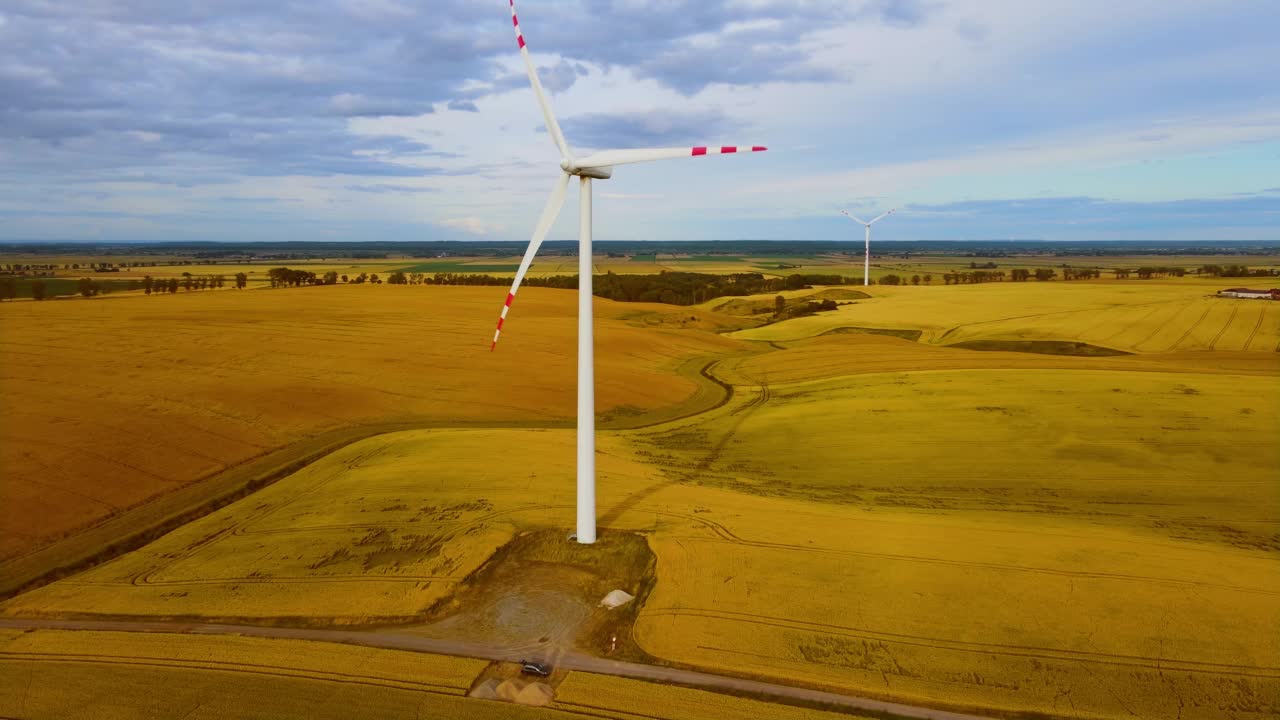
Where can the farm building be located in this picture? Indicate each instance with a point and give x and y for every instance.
(1273, 294)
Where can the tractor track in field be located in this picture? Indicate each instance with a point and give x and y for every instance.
(1262, 312)
(741, 414)
(712, 456)
(1191, 329)
(771, 692)
(1225, 326)
(961, 326)
(1160, 326)
(1107, 340)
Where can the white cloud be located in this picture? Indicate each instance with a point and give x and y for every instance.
(1061, 151)
(473, 225)
(630, 196)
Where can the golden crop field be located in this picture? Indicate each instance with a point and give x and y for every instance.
(375, 532)
(112, 401)
(1096, 571)
(107, 675)
(837, 354)
(1035, 540)
(1090, 537)
(1131, 316)
(59, 675)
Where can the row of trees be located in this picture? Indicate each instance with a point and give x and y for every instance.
(1147, 272)
(190, 282)
(781, 311)
(1236, 271)
(976, 276)
(674, 288)
(284, 277)
(1070, 273)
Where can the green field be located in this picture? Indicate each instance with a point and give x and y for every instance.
(463, 267)
(701, 258)
(56, 286)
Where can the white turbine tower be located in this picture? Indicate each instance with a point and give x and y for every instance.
(598, 166)
(866, 260)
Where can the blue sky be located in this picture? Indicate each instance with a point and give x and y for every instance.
(397, 120)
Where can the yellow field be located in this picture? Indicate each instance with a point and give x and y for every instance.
(376, 532)
(839, 354)
(106, 675)
(1090, 537)
(111, 401)
(1132, 316)
(1103, 562)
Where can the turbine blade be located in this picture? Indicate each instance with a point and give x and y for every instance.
(883, 216)
(549, 214)
(549, 117)
(854, 218)
(607, 158)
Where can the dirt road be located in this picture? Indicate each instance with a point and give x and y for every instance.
(569, 661)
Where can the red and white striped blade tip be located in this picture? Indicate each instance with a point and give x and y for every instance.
(502, 319)
(727, 150)
(516, 22)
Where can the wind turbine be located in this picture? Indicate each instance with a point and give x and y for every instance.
(866, 260)
(598, 166)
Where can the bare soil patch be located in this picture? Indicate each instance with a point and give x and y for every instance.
(541, 593)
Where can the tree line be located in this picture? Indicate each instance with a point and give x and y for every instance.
(670, 287)
(809, 307)
(191, 282)
(1237, 271)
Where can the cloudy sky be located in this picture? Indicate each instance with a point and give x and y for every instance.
(404, 120)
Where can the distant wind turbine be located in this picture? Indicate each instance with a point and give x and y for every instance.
(597, 166)
(866, 261)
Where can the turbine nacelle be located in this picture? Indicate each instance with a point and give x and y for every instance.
(596, 173)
